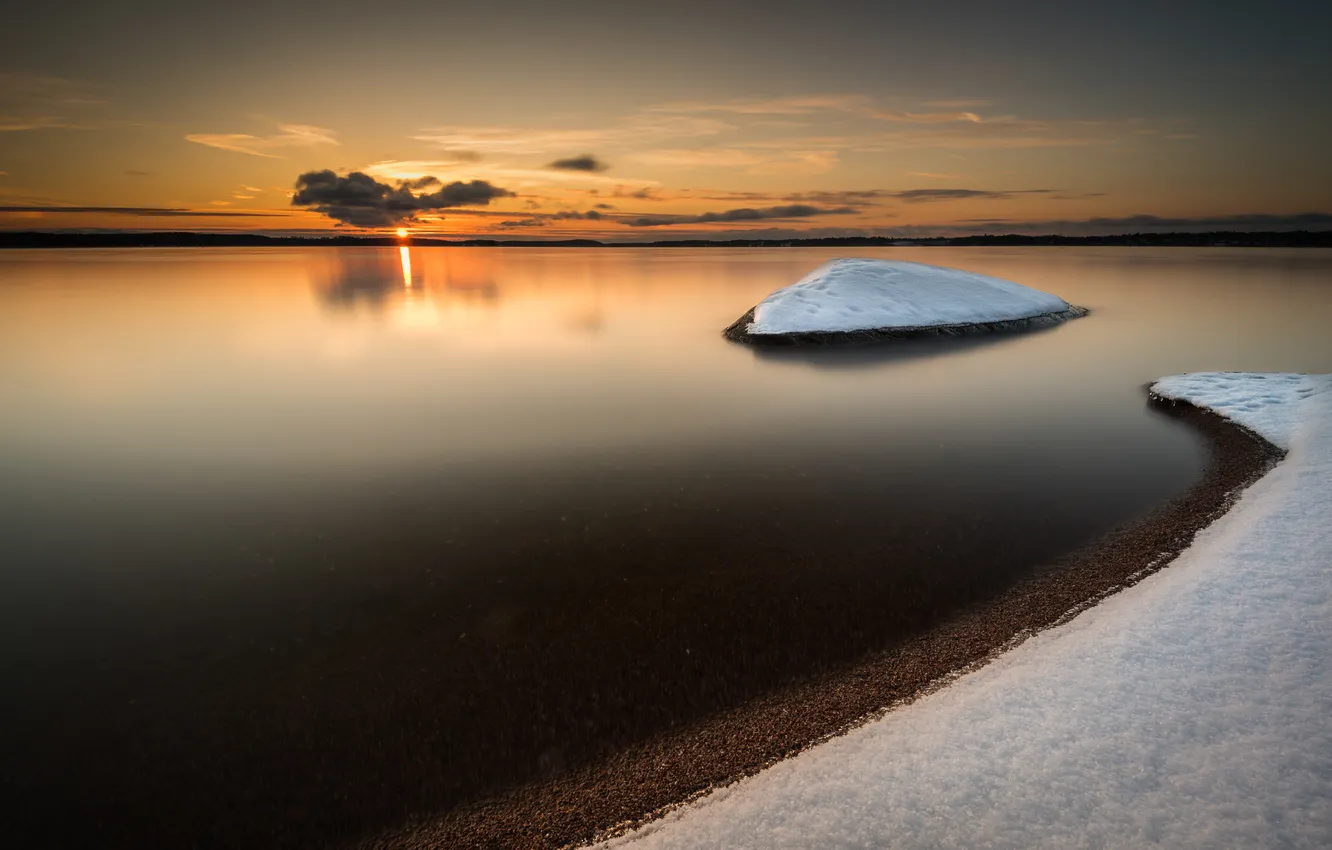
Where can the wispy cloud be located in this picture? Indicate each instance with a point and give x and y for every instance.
(574, 215)
(510, 140)
(1128, 224)
(1008, 134)
(794, 105)
(31, 101)
(530, 140)
(848, 197)
(934, 175)
(11, 123)
(791, 211)
(879, 126)
(47, 88)
(854, 104)
(542, 219)
(958, 103)
(751, 161)
(289, 136)
(921, 196)
(949, 117)
(758, 233)
(516, 177)
(164, 212)
(857, 197)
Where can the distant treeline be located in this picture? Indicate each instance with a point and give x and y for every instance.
(1287, 239)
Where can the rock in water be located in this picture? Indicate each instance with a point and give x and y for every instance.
(865, 299)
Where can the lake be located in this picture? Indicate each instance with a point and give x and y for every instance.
(302, 544)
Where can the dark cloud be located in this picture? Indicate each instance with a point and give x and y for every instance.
(542, 220)
(752, 197)
(858, 197)
(647, 193)
(1125, 224)
(742, 214)
(1259, 221)
(167, 212)
(421, 183)
(586, 162)
(920, 196)
(873, 197)
(590, 215)
(775, 233)
(604, 206)
(360, 200)
(134, 172)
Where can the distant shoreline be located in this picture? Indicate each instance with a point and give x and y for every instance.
(172, 239)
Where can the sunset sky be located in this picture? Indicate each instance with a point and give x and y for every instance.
(633, 121)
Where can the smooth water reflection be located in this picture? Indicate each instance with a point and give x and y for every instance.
(431, 520)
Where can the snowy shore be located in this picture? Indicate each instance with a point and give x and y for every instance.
(1187, 711)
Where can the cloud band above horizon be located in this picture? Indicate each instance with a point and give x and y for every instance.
(360, 200)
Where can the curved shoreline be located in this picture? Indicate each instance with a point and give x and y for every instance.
(649, 779)
(738, 331)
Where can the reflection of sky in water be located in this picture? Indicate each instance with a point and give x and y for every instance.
(319, 466)
(374, 276)
(223, 358)
(144, 372)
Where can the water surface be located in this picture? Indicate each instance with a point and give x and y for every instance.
(297, 544)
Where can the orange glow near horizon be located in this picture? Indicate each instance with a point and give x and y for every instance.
(402, 233)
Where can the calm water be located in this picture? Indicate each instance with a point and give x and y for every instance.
(296, 544)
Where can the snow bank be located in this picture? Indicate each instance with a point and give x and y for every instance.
(851, 295)
(1266, 404)
(1191, 710)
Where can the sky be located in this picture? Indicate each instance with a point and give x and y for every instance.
(650, 121)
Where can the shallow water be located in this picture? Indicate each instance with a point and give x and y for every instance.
(335, 537)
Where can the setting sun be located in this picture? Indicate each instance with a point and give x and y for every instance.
(402, 233)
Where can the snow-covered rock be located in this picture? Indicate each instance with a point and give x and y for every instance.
(1189, 711)
(896, 298)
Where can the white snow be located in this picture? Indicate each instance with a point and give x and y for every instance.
(1193, 710)
(858, 294)
(1261, 402)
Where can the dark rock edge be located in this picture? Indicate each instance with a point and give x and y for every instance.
(651, 779)
(738, 330)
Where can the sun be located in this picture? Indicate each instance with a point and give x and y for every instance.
(402, 233)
